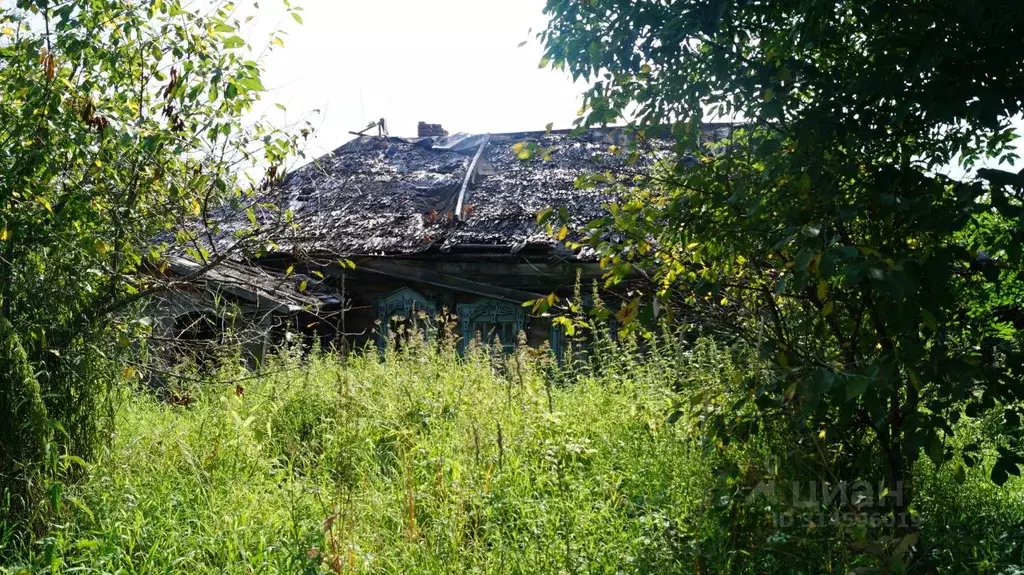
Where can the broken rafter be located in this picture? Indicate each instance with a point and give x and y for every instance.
(381, 125)
(265, 289)
(469, 177)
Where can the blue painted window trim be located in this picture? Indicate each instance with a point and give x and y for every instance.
(491, 311)
(558, 340)
(403, 302)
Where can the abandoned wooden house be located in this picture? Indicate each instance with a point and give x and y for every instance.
(430, 223)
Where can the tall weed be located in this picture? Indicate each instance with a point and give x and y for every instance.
(419, 460)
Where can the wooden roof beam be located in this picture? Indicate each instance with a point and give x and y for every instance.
(443, 280)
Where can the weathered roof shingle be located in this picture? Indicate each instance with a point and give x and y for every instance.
(392, 196)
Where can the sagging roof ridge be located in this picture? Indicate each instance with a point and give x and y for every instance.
(658, 131)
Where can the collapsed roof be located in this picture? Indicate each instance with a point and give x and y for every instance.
(261, 288)
(395, 196)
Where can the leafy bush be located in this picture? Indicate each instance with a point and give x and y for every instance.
(121, 122)
(823, 224)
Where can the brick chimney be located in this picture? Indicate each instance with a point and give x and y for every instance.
(425, 130)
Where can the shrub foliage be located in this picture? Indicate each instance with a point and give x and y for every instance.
(827, 230)
(119, 121)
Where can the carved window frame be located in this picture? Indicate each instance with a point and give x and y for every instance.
(402, 302)
(492, 311)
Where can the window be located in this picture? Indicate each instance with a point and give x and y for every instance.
(196, 335)
(201, 326)
(402, 311)
(491, 320)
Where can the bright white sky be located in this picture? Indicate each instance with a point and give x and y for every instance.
(450, 62)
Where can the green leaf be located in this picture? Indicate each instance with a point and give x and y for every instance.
(803, 184)
(855, 387)
(960, 475)
(847, 252)
(934, 449)
(251, 83)
(544, 215)
(908, 541)
(824, 380)
(523, 150)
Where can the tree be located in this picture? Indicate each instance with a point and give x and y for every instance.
(824, 230)
(119, 121)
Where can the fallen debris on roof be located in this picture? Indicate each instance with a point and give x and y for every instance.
(394, 196)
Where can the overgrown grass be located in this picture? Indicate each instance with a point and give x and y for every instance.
(428, 463)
